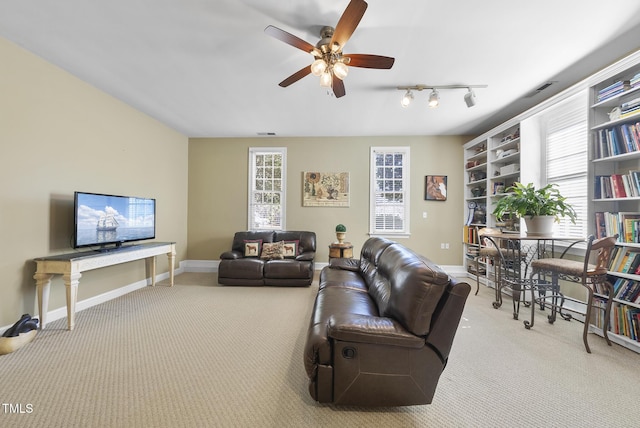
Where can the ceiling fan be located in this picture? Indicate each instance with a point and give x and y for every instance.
(330, 64)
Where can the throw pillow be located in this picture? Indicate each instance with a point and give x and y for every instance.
(272, 250)
(291, 249)
(252, 247)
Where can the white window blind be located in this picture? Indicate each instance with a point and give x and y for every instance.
(389, 184)
(267, 188)
(566, 137)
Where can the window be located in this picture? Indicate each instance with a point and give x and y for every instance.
(389, 184)
(566, 159)
(267, 188)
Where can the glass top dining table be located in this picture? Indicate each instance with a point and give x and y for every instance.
(516, 252)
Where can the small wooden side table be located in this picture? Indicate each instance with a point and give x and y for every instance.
(340, 250)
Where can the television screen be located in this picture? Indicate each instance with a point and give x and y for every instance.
(101, 220)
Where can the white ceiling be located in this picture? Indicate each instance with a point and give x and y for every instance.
(206, 68)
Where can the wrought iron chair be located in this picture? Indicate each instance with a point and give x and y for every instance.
(488, 251)
(512, 267)
(547, 272)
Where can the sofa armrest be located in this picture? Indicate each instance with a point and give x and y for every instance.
(345, 264)
(307, 256)
(447, 317)
(231, 255)
(370, 329)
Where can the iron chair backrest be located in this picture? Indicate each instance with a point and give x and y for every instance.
(602, 248)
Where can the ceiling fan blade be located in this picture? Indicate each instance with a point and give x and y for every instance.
(338, 87)
(289, 38)
(370, 61)
(348, 22)
(295, 76)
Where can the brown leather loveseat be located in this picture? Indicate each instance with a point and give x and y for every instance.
(382, 328)
(269, 258)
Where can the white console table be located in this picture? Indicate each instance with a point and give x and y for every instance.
(71, 266)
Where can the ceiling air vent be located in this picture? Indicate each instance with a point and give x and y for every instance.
(540, 89)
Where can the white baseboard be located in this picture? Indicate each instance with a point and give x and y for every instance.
(56, 314)
(200, 265)
(455, 271)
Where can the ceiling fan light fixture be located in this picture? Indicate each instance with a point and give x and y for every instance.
(470, 98)
(326, 80)
(434, 99)
(318, 67)
(340, 70)
(407, 98)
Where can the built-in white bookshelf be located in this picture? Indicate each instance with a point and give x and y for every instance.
(614, 122)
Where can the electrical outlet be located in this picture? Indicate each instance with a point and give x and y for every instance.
(446, 246)
(442, 245)
(424, 214)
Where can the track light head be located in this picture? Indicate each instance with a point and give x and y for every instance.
(434, 99)
(407, 98)
(470, 98)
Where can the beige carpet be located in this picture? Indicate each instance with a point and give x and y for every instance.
(203, 355)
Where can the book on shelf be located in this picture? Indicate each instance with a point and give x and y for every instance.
(625, 321)
(611, 90)
(633, 267)
(617, 140)
(617, 185)
(626, 290)
(625, 224)
(470, 235)
(601, 231)
(630, 105)
(618, 87)
(629, 112)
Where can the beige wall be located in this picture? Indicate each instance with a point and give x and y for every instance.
(59, 134)
(218, 191)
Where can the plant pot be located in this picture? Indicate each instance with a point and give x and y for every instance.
(341, 236)
(539, 225)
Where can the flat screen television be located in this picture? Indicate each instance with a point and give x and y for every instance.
(108, 221)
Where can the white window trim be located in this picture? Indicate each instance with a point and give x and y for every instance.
(577, 102)
(283, 198)
(406, 186)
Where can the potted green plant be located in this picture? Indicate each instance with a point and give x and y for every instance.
(538, 207)
(341, 232)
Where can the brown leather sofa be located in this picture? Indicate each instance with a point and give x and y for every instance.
(247, 263)
(382, 328)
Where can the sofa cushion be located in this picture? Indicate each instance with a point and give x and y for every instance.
(291, 249)
(307, 240)
(252, 247)
(288, 269)
(246, 268)
(370, 255)
(416, 286)
(272, 251)
(337, 277)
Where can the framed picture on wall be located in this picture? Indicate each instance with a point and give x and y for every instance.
(435, 188)
(325, 189)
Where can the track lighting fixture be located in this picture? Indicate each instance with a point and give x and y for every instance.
(407, 98)
(470, 98)
(434, 96)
